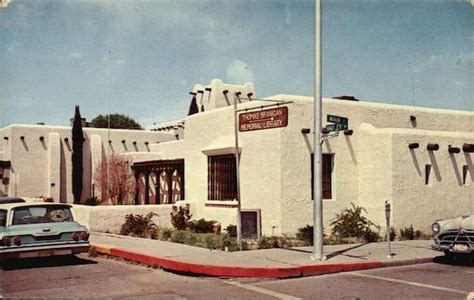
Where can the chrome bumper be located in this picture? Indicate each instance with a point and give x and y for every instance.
(454, 248)
(45, 250)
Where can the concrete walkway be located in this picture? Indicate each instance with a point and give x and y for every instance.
(270, 263)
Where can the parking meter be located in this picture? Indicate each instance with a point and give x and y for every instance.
(387, 210)
(387, 217)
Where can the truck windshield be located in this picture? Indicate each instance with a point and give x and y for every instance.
(41, 214)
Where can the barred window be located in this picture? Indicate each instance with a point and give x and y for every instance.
(222, 177)
(327, 164)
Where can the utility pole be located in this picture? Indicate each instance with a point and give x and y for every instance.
(317, 142)
(237, 171)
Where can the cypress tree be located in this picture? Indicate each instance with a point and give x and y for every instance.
(193, 108)
(77, 171)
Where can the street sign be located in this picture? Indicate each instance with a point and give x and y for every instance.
(337, 119)
(264, 119)
(338, 123)
(336, 127)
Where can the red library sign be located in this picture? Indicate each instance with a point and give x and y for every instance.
(263, 119)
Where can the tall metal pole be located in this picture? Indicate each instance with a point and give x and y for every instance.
(237, 170)
(318, 172)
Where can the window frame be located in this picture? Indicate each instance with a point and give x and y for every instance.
(221, 177)
(327, 158)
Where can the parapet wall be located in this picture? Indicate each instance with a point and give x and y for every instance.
(109, 218)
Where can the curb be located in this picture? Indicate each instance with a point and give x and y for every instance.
(233, 271)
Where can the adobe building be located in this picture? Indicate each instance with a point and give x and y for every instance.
(419, 159)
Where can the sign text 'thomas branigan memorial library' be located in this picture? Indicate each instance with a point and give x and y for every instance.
(264, 119)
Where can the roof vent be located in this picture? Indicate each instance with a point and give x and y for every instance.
(348, 98)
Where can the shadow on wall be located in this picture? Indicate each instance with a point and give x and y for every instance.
(22, 138)
(415, 161)
(43, 143)
(434, 163)
(351, 149)
(470, 167)
(456, 169)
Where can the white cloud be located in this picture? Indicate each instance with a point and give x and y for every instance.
(238, 72)
(4, 3)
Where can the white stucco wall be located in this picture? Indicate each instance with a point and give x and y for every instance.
(110, 218)
(36, 165)
(372, 165)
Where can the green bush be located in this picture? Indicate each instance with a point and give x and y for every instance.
(350, 223)
(231, 230)
(178, 236)
(166, 234)
(202, 226)
(305, 234)
(180, 217)
(92, 201)
(138, 225)
(263, 243)
(210, 242)
(191, 239)
(408, 233)
(393, 233)
(229, 242)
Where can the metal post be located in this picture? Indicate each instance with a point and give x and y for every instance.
(318, 172)
(237, 169)
(387, 217)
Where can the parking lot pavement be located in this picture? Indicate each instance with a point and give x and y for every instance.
(432, 281)
(84, 276)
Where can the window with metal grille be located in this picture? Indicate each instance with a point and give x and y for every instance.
(222, 177)
(327, 164)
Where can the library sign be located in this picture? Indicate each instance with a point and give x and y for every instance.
(263, 119)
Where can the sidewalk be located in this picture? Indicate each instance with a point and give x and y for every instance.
(270, 263)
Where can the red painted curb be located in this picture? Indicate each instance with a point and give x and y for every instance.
(232, 271)
(210, 270)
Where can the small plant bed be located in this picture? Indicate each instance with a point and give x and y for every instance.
(348, 227)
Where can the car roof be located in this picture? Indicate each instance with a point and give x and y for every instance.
(7, 200)
(25, 204)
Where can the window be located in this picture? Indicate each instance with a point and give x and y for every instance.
(250, 224)
(41, 214)
(222, 177)
(3, 218)
(327, 165)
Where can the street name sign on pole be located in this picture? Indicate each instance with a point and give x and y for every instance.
(338, 123)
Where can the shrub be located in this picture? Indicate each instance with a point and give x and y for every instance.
(230, 243)
(202, 226)
(408, 233)
(393, 233)
(231, 230)
(180, 217)
(178, 236)
(166, 234)
(370, 236)
(305, 234)
(210, 242)
(138, 225)
(191, 240)
(92, 201)
(350, 223)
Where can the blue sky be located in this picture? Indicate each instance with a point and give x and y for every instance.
(142, 58)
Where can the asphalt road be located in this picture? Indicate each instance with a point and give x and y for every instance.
(87, 277)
